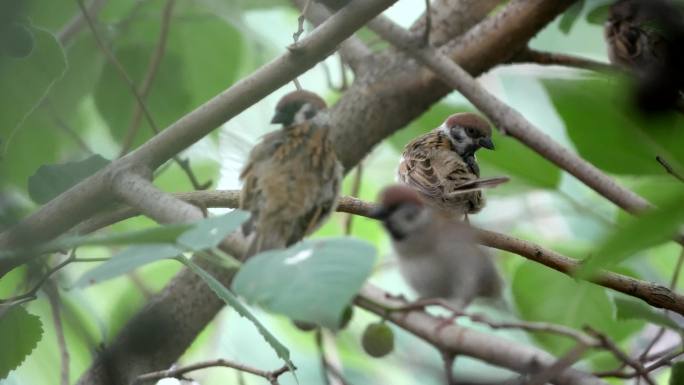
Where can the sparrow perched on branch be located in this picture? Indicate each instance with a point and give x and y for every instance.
(441, 164)
(438, 256)
(647, 38)
(292, 177)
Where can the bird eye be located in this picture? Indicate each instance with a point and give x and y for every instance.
(470, 132)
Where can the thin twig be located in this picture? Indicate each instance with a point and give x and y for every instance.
(31, 294)
(271, 376)
(150, 74)
(609, 345)
(661, 331)
(55, 304)
(321, 356)
(356, 188)
(552, 58)
(669, 168)
(569, 359)
(183, 163)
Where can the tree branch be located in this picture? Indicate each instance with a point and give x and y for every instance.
(271, 376)
(529, 55)
(464, 341)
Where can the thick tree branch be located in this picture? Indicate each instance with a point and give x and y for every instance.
(655, 295)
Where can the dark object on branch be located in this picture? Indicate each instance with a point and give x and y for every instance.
(647, 38)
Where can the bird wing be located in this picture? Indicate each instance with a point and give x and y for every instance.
(416, 168)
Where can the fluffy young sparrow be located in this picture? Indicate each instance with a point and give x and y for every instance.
(292, 177)
(441, 164)
(438, 256)
(647, 38)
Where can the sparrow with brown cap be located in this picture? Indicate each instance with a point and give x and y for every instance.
(292, 177)
(441, 164)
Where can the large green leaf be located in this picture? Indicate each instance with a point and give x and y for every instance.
(232, 301)
(312, 281)
(52, 180)
(127, 261)
(570, 17)
(209, 232)
(677, 373)
(652, 228)
(510, 157)
(631, 308)
(25, 81)
(608, 132)
(582, 304)
(20, 332)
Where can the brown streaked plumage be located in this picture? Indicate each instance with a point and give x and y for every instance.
(441, 164)
(292, 177)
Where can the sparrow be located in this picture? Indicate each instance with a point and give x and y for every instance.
(441, 164)
(438, 256)
(646, 38)
(292, 178)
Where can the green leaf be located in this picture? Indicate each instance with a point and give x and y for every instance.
(528, 168)
(53, 179)
(599, 14)
(583, 304)
(638, 233)
(630, 308)
(25, 81)
(232, 301)
(209, 232)
(605, 128)
(20, 332)
(312, 281)
(677, 373)
(570, 17)
(126, 261)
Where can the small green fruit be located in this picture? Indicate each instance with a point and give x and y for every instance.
(378, 340)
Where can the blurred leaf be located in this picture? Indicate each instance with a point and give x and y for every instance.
(16, 40)
(631, 308)
(25, 81)
(20, 332)
(231, 300)
(312, 281)
(126, 261)
(583, 304)
(168, 97)
(649, 229)
(528, 167)
(606, 130)
(599, 13)
(570, 17)
(209, 232)
(677, 373)
(53, 179)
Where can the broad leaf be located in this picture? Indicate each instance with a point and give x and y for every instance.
(599, 13)
(312, 281)
(20, 332)
(25, 81)
(232, 301)
(638, 233)
(570, 17)
(631, 308)
(127, 261)
(53, 179)
(583, 304)
(677, 373)
(608, 132)
(209, 232)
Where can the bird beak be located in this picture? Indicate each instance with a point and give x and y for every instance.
(379, 212)
(486, 143)
(279, 117)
